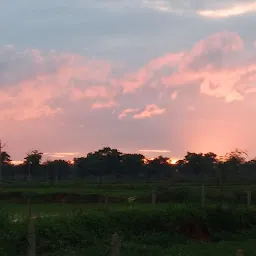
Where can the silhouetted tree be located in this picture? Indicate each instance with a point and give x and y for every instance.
(103, 162)
(81, 166)
(57, 169)
(5, 158)
(233, 162)
(158, 167)
(34, 157)
(195, 162)
(132, 165)
(32, 162)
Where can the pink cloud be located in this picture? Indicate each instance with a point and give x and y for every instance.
(45, 77)
(45, 85)
(42, 77)
(217, 77)
(154, 150)
(212, 64)
(131, 82)
(101, 105)
(203, 55)
(91, 92)
(174, 95)
(150, 111)
(127, 111)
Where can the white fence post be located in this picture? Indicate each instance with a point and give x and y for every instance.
(115, 245)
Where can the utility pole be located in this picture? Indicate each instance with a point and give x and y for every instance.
(1, 147)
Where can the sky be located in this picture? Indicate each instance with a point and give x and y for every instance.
(157, 77)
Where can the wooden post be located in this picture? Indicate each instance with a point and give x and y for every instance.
(63, 201)
(240, 252)
(153, 196)
(29, 172)
(56, 176)
(202, 195)
(31, 238)
(31, 232)
(249, 198)
(106, 201)
(115, 245)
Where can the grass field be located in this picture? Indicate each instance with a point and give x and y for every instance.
(82, 193)
(81, 224)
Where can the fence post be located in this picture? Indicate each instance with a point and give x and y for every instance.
(202, 195)
(115, 245)
(63, 201)
(31, 233)
(31, 238)
(240, 252)
(106, 201)
(153, 196)
(249, 198)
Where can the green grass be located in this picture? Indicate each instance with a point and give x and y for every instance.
(227, 248)
(220, 249)
(113, 191)
(85, 229)
(63, 209)
(145, 230)
(58, 209)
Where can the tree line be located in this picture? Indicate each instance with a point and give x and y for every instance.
(111, 164)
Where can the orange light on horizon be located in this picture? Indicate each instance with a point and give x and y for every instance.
(16, 162)
(172, 161)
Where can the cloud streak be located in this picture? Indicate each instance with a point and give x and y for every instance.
(154, 150)
(150, 111)
(127, 111)
(235, 9)
(203, 8)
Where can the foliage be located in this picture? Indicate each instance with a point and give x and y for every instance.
(108, 163)
(34, 158)
(140, 229)
(5, 158)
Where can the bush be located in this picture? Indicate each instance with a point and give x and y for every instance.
(146, 226)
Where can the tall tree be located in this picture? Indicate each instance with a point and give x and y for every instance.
(81, 166)
(195, 162)
(158, 167)
(105, 161)
(34, 157)
(57, 169)
(132, 165)
(233, 162)
(32, 161)
(1, 148)
(5, 158)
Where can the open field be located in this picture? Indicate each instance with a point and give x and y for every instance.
(76, 219)
(144, 230)
(82, 193)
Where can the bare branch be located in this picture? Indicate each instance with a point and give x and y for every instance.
(2, 146)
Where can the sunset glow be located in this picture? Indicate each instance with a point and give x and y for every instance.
(67, 93)
(173, 161)
(16, 162)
